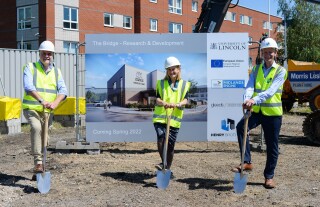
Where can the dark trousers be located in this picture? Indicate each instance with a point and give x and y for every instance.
(271, 127)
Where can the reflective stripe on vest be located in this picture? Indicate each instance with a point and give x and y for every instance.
(46, 86)
(273, 105)
(170, 96)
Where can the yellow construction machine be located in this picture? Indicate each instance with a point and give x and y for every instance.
(303, 85)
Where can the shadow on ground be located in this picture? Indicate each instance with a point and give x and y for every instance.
(202, 183)
(137, 177)
(11, 181)
(295, 140)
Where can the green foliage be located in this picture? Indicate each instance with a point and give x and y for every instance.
(90, 96)
(303, 32)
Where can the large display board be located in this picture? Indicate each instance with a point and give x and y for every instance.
(126, 67)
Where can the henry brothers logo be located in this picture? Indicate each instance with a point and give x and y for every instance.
(227, 125)
(229, 46)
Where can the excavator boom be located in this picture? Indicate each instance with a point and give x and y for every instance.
(211, 16)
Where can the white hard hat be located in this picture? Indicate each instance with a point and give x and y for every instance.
(47, 46)
(171, 61)
(269, 43)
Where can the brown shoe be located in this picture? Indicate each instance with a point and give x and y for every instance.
(269, 183)
(38, 168)
(246, 167)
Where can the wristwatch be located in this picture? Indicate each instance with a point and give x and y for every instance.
(41, 100)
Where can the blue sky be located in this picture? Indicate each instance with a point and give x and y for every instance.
(101, 67)
(260, 5)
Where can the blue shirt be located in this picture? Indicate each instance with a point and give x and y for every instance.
(28, 80)
(263, 96)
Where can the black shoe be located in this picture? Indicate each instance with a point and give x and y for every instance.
(172, 176)
(34, 177)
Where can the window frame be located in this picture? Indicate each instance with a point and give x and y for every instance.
(174, 27)
(111, 16)
(70, 48)
(241, 19)
(173, 6)
(25, 22)
(156, 25)
(124, 22)
(233, 17)
(249, 20)
(70, 21)
(194, 6)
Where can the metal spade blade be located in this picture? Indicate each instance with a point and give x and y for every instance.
(163, 178)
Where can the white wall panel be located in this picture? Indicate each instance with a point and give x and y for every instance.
(12, 61)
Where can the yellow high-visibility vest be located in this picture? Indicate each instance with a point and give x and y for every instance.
(273, 105)
(170, 96)
(46, 86)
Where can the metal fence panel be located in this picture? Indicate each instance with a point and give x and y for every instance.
(11, 74)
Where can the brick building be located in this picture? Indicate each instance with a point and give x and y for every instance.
(24, 24)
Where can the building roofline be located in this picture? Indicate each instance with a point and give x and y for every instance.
(257, 10)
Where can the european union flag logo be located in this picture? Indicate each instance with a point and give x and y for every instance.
(216, 63)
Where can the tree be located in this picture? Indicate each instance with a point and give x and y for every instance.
(303, 32)
(90, 96)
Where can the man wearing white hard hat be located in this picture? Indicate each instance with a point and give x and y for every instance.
(172, 96)
(263, 97)
(44, 89)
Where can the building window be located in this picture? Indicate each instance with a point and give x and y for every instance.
(250, 40)
(70, 18)
(24, 45)
(175, 28)
(271, 26)
(233, 17)
(265, 25)
(108, 19)
(127, 22)
(153, 1)
(24, 18)
(153, 25)
(115, 85)
(195, 6)
(250, 21)
(69, 47)
(175, 6)
(241, 19)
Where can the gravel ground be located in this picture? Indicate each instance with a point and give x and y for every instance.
(124, 175)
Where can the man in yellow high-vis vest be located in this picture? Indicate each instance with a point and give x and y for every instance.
(263, 97)
(44, 89)
(172, 95)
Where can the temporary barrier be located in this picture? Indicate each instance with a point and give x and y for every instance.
(10, 108)
(68, 106)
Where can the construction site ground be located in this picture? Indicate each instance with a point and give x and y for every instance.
(123, 174)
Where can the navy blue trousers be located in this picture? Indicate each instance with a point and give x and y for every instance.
(271, 127)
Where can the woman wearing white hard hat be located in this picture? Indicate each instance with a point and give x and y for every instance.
(263, 96)
(172, 96)
(44, 89)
